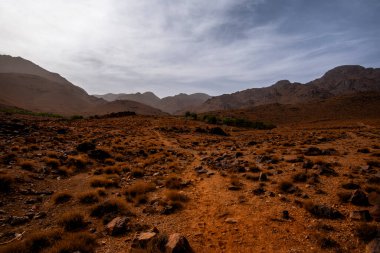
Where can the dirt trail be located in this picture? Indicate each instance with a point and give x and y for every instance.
(210, 206)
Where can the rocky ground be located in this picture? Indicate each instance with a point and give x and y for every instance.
(95, 185)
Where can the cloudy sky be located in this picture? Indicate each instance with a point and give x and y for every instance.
(173, 46)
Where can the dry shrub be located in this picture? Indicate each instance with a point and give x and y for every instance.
(344, 196)
(112, 206)
(139, 188)
(89, 197)
(104, 182)
(137, 173)
(6, 183)
(113, 170)
(109, 161)
(28, 165)
(322, 211)
(173, 182)
(72, 221)
(300, 177)
(79, 162)
(327, 243)
(285, 186)
(75, 242)
(235, 181)
(62, 197)
(367, 232)
(52, 154)
(52, 162)
(35, 243)
(63, 171)
(176, 196)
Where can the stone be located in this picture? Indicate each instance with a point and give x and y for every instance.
(86, 146)
(285, 214)
(230, 221)
(234, 188)
(375, 213)
(141, 241)
(18, 220)
(359, 198)
(362, 215)
(373, 246)
(263, 177)
(177, 243)
(117, 226)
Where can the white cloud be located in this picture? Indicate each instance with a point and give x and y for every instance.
(169, 46)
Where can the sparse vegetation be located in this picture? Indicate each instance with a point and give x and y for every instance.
(112, 206)
(6, 183)
(101, 181)
(62, 197)
(73, 221)
(89, 197)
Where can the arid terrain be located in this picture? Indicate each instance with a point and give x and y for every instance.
(303, 187)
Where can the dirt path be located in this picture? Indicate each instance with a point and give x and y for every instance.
(211, 204)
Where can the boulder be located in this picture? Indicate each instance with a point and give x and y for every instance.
(362, 215)
(177, 243)
(375, 213)
(141, 241)
(117, 226)
(359, 198)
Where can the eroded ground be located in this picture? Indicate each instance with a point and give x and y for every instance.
(224, 193)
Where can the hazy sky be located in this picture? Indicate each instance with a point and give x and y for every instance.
(173, 46)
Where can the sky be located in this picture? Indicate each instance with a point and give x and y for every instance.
(187, 46)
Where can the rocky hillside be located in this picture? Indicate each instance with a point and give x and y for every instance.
(358, 106)
(343, 80)
(25, 85)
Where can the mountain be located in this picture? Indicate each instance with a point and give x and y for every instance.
(25, 85)
(173, 104)
(358, 106)
(343, 80)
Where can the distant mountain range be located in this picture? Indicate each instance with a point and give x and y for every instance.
(343, 80)
(25, 85)
(173, 104)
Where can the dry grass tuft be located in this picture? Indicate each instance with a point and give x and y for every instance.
(52, 162)
(62, 197)
(28, 165)
(36, 242)
(112, 206)
(104, 182)
(75, 242)
(173, 182)
(6, 183)
(138, 189)
(176, 196)
(89, 197)
(73, 221)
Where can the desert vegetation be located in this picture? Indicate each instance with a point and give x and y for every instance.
(95, 185)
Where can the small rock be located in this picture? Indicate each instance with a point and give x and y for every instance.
(230, 221)
(18, 220)
(140, 242)
(359, 198)
(373, 246)
(234, 188)
(177, 243)
(40, 215)
(285, 214)
(117, 226)
(362, 215)
(375, 212)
